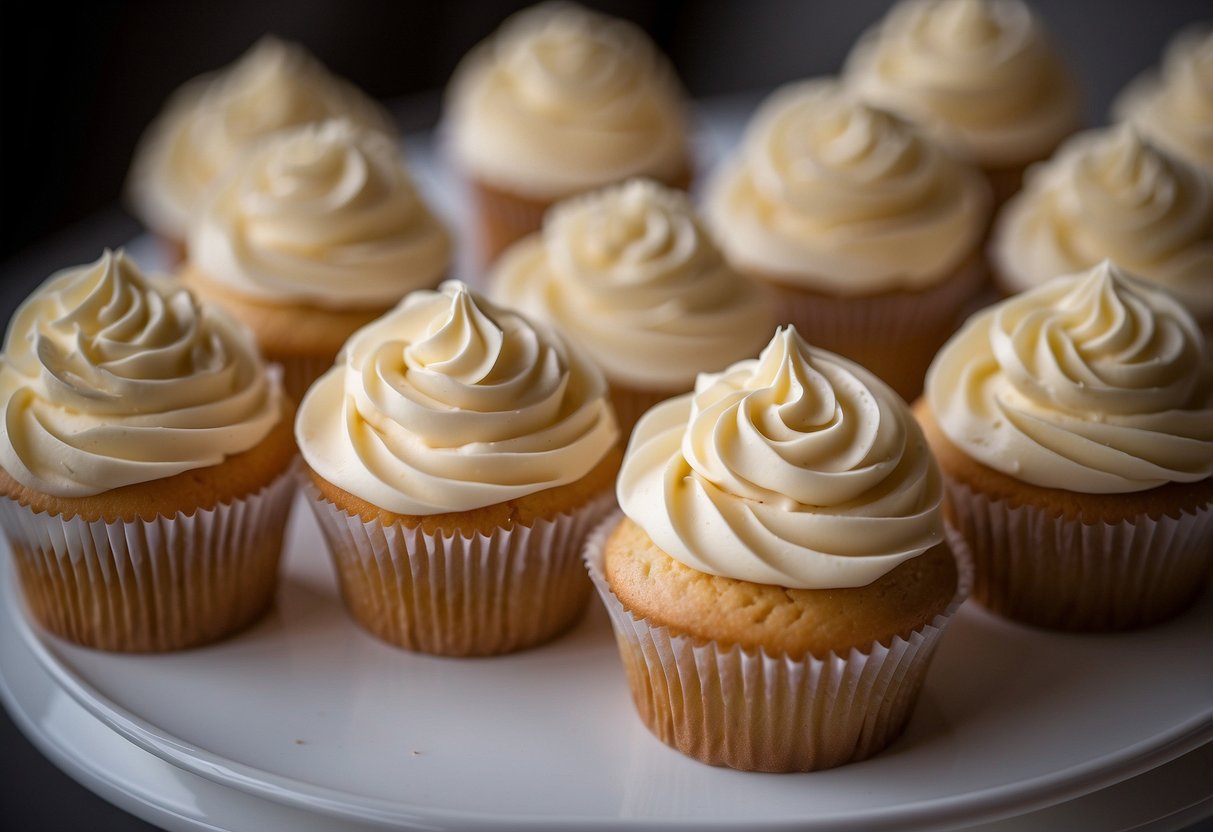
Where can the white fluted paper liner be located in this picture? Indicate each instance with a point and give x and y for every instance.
(151, 585)
(1050, 571)
(452, 594)
(753, 711)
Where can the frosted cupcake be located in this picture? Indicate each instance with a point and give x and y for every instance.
(1074, 427)
(630, 274)
(557, 101)
(1108, 194)
(980, 75)
(457, 457)
(144, 456)
(211, 120)
(1173, 107)
(780, 579)
(863, 232)
(315, 232)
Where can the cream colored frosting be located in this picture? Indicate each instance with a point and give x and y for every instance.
(561, 99)
(322, 215)
(449, 403)
(214, 118)
(1094, 382)
(110, 378)
(631, 275)
(979, 74)
(798, 468)
(1174, 107)
(1107, 194)
(830, 192)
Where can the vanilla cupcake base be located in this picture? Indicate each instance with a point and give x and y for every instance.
(748, 710)
(893, 334)
(149, 585)
(459, 592)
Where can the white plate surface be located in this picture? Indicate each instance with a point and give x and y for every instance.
(306, 710)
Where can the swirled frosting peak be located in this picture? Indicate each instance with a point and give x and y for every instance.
(980, 75)
(1110, 194)
(324, 215)
(448, 403)
(210, 121)
(798, 468)
(630, 273)
(1094, 382)
(561, 99)
(1174, 107)
(110, 378)
(830, 190)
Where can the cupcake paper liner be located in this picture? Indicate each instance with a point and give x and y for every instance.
(504, 218)
(748, 710)
(1051, 571)
(151, 585)
(894, 335)
(454, 594)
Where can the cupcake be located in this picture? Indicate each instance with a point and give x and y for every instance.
(865, 234)
(980, 75)
(312, 234)
(557, 101)
(630, 274)
(1173, 107)
(1109, 194)
(144, 460)
(457, 455)
(779, 580)
(212, 119)
(1074, 427)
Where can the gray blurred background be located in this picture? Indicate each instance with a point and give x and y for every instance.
(78, 83)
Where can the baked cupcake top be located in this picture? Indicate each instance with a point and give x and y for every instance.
(561, 99)
(449, 403)
(1174, 107)
(110, 378)
(832, 193)
(798, 468)
(1109, 194)
(1094, 382)
(630, 274)
(208, 122)
(980, 75)
(320, 215)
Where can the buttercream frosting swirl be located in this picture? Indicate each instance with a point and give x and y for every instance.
(980, 75)
(829, 191)
(1174, 107)
(798, 468)
(1109, 194)
(324, 215)
(211, 120)
(630, 274)
(111, 378)
(1094, 382)
(449, 403)
(561, 99)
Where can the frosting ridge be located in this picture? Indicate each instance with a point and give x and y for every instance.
(1093, 382)
(979, 75)
(325, 215)
(212, 119)
(631, 275)
(561, 99)
(830, 190)
(1110, 194)
(449, 403)
(110, 378)
(1173, 107)
(798, 468)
